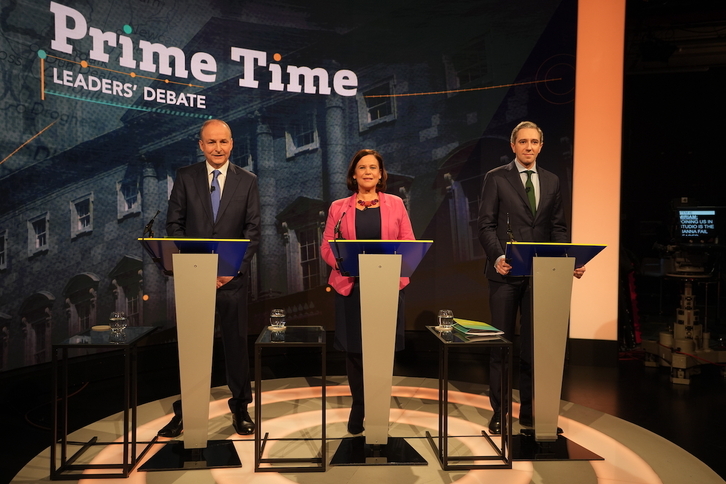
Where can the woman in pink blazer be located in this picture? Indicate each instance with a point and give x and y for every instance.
(369, 214)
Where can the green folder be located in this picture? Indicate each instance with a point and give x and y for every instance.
(475, 328)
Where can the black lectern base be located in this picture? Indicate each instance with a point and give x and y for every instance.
(353, 451)
(173, 456)
(526, 448)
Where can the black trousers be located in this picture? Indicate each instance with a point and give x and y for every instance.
(505, 299)
(231, 315)
(354, 369)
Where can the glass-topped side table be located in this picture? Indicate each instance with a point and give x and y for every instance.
(290, 337)
(67, 468)
(453, 340)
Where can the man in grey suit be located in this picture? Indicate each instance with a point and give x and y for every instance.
(215, 199)
(519, 202)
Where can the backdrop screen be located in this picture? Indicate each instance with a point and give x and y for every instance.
(102, 102)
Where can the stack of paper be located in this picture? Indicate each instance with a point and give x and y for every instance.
(476, 328)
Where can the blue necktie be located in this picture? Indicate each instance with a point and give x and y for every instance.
(215, 192)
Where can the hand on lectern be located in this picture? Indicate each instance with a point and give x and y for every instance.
(579, 272)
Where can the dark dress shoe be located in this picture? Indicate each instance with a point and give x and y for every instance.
(243, 423)
(495, 424)
(173, 428)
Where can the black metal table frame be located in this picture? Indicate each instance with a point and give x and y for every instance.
(503, 453)
(260, 441)
(130, 457)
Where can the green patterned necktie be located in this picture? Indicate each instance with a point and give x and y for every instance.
(529, 188)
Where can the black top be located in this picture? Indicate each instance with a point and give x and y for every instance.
(368, 224)
(347, 308)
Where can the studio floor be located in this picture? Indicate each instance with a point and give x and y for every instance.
(647, 429)
(292, 410)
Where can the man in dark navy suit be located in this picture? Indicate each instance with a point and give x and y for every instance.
(192, 207)
(519, 201)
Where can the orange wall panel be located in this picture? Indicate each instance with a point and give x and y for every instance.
(596, 172)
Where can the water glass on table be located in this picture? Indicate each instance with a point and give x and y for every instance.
(117, 321)
(117, 338)
(277, 319)
(446, 319)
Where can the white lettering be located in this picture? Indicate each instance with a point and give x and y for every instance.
(276, 82)
(204, 67)
(91, 83)
(94, 83)
(147, 61)
(98, 51)
(70, 24)
(248, 66)
(127, 52)
(80, 82)
(117, 86)
(344, 79)
(309, 75)
(174, 98)
(62, 31)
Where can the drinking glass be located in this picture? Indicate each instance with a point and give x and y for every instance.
(117, 321)
(117, 337)
(446, 319)
(277, 318)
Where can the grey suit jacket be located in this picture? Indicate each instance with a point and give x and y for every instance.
(190, 208)
(504, 205)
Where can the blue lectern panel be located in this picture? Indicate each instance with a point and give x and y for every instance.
(230, 252)
(520, 254)
(346, 253)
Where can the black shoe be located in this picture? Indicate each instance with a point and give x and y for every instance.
(526, 421)
(243, 423)
(495, 424)
(173, 428)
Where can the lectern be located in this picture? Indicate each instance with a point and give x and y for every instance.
(551, 266)
(195, 265)
(379, 264)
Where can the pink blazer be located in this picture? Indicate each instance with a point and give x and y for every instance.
(395, 225)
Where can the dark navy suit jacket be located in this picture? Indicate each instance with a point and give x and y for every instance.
(503, 196)
(190, 208)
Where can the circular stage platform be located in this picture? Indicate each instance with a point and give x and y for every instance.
(291, 413)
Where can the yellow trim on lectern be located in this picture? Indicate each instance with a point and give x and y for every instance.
(555, 243)
(378, 240)
(200, 240)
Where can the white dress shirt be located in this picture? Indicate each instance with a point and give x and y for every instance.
(220, 178)
(534, 178)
